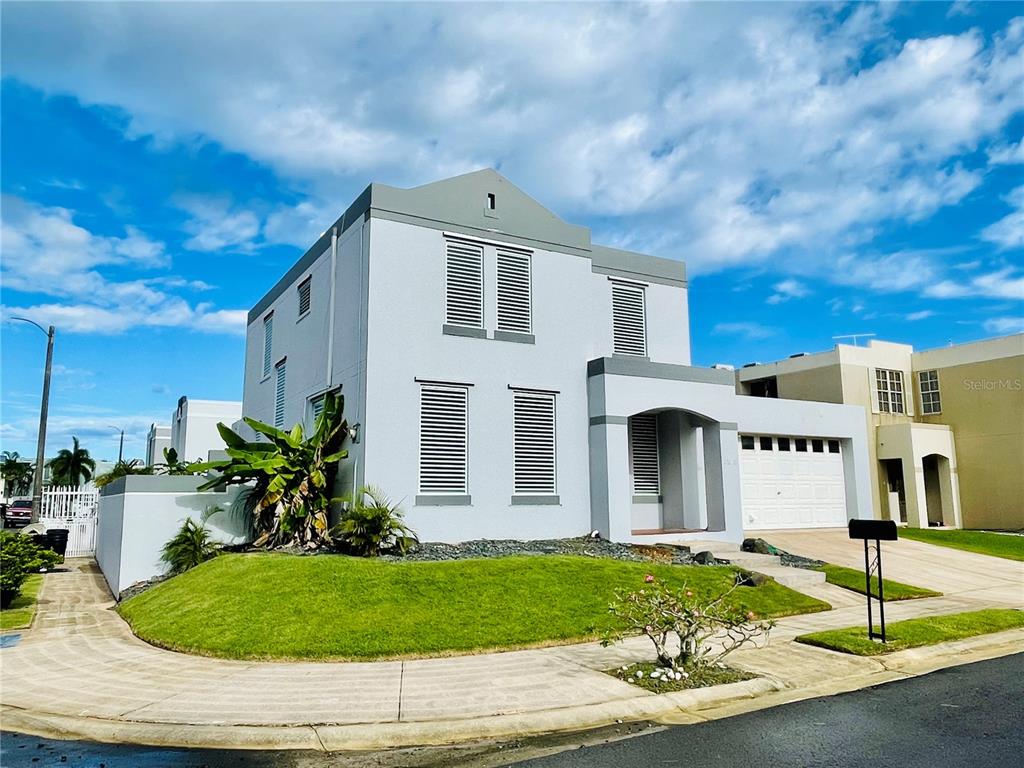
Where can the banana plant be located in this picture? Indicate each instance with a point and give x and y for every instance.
(290, 477)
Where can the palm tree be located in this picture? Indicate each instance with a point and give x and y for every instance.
(71, 467)
(16, 473)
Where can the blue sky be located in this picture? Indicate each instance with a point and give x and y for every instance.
(822, 169)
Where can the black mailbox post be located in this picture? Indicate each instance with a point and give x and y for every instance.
(877, 531)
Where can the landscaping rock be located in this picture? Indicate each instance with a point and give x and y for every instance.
(704, 558)
(586, 546)
(748, 579)
(760, 546)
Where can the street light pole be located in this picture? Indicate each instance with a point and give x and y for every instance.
(120, 448)
(37, 481)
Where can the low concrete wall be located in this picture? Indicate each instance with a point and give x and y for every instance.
(138, 514)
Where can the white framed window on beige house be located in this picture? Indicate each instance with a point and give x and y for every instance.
(889, 391)
(929, 385)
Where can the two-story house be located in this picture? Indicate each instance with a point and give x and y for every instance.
(505, 377)
(946, 425)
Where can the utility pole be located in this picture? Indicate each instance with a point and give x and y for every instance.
(37, 481)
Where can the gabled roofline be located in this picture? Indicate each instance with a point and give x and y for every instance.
(413, 206)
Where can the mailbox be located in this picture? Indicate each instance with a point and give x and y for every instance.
(875, 530)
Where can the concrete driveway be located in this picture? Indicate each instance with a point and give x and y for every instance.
(951, 571)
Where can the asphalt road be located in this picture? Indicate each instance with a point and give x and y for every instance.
(971, 715)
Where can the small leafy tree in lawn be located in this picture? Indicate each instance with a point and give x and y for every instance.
(372, 524)
(191, 545)
(664, 614)
(291, 477)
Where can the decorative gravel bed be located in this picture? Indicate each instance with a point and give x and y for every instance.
(651, 677)
(583, 545)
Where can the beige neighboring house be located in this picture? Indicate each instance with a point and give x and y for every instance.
(946, 426)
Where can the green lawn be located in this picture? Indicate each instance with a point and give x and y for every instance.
(917, 632)
(997, 544)
(852, 579)
(23, 608)
(330, 606)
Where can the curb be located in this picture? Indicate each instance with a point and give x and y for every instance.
(692, 706)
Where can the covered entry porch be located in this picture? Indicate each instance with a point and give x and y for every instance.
(663, 453)
(918, 475)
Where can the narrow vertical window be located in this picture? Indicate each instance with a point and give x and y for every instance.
(629, 319)
(464, 289)
(929, 382)
(316, 407)
(643, 454)
(268, 343)
(305, 295)
(444, 439)
(890, 390)
(534, 446)
(514, 299)
(279, 396)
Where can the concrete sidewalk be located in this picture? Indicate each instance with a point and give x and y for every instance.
(79, 672)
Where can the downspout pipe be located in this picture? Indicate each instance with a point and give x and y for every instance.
(330, 309)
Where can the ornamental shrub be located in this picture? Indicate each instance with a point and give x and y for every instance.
(371, 524)
(191, 545)
(687, 631)
(20, 556)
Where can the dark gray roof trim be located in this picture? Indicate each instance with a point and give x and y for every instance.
(518, 219)
(354, 213)
(624, 366)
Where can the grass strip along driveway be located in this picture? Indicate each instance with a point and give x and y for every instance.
(1007, 545)
(913, 633)
(278, 606)
(852, 579)
(23, 607)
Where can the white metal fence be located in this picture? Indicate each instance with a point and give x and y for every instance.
(75, 510)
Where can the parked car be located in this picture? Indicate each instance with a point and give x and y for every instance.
(18, 513)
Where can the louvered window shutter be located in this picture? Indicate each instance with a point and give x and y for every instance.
(444, 439)
(629, 320)
(643, 450)
(279, 396)
(514, 305)
(464, 290)
(305, 296)
(317, 407)
(268, 343)
(534, 442)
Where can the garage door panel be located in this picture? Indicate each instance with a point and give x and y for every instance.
(790, 489)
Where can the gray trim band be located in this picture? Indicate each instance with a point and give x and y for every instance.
(463, 500)
(158, 484)
(460, 330)
(519, 338)
(639, 276)
(647, 499)
(729, 425)
(631, 366)
(597, 420)
(523, 501)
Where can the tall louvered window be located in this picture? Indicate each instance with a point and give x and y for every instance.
(643, 455)
(629, 320)
(464, 291)
(444, 439)
(279, 396)
(316, 407)
(268, 343)
(533, 442)
(305, 295)
(514, 306)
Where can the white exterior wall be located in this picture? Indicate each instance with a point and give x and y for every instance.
(135, 524)
(572, 323)
(194, 427)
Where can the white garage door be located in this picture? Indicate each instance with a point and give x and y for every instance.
(791, 482)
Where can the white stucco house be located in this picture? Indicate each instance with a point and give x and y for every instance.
(509, 378)
(193, 428)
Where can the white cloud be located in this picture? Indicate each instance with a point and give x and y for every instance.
(1008, 232)
(788, 289)
(46, 252)
(757, 134)
(1004, 325)
(749, 331)
(214, 226)
(1006, 154)
(1006, 283)
(923, 314)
